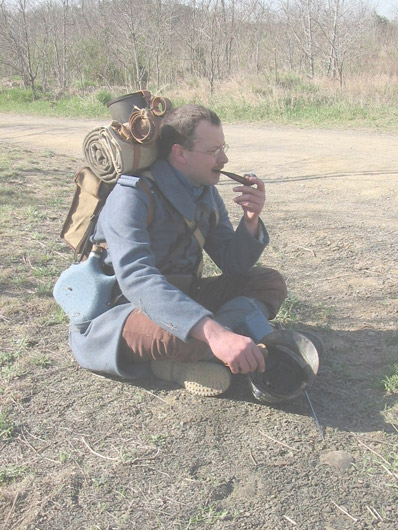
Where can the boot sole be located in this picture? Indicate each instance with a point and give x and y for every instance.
(206, 379)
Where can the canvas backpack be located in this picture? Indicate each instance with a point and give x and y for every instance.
(127, 145)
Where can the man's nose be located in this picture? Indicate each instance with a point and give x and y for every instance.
(222, 157)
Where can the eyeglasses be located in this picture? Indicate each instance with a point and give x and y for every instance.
(223, 149)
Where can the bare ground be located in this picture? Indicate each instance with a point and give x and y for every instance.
(78, 451)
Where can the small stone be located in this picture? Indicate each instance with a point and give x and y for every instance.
(340, 460)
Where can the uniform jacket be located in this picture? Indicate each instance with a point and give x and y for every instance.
(137, 252)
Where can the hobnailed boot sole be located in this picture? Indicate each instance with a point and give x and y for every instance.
(206, 379)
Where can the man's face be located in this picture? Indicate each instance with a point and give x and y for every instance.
(204, 161)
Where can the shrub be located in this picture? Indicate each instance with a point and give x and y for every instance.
(103, 96)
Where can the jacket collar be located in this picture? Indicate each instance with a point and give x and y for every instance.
(178, 194)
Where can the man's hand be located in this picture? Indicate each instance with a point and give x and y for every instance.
(237, 352)
(252, 200)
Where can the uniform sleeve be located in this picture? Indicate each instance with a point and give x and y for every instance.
(123, 224)
(234, 251)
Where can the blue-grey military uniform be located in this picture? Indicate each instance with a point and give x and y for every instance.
(135, 251)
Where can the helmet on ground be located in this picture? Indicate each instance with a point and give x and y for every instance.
(290, 366)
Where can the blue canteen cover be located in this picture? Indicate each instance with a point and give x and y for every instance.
(83, 290)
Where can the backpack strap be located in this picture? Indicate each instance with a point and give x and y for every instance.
(149, 218)
(193, 229)
(145, 187)
(192, 225)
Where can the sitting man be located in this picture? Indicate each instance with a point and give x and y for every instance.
(190, 330)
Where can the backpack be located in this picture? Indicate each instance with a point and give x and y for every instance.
(127, 145)
(88, 200)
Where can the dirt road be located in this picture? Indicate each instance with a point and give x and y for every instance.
(271, 151)
(93, 453)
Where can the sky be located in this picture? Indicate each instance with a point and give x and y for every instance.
(386, 8)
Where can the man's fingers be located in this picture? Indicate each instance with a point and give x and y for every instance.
(253, 179)
(244, 366)
(260, 360)
(249, 199)
(253, 361)
(249, 191)
(234, 367)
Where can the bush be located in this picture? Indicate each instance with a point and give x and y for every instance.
(19, 95)
(103, 96)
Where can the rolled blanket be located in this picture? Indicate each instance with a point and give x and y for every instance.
(127, 158)
(98, 156)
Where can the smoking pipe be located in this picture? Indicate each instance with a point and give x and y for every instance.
(242, 180)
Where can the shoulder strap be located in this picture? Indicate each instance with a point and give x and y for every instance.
(149, 217)
(145, 187)
(192, 225)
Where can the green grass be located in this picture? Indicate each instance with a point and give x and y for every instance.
(289, 101)
(208, 515)
(20, 101)
(42, 360)
(294, 310)
(11, 472)
(390, 381)
(6, 426)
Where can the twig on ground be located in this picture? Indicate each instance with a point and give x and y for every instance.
(67, 258)
(26, 260)
(98, 454)
(25, 441)
(11, 510)
(394, 426)
(277, 441)
(290, 520)
(382, 442)
(147, 456)
(252, 457)
(305, 248)
(389, 472)
(345, 512)
(381, 457)
(337, 277)
(157, 397)
(176, 502)
(33, 436)
(374, 513)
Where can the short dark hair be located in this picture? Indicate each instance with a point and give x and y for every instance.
(179, 126)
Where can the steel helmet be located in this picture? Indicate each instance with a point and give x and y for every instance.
(290, 366)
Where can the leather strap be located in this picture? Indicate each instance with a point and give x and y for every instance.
(144, 126)
(193, 228)
(159, 106)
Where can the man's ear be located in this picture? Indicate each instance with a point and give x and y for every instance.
(177, 154)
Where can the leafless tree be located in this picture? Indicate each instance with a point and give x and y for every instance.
(342, 24)
(142, 43)
(22, 45)
(301, 17)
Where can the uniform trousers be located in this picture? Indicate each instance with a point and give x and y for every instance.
(143, 340)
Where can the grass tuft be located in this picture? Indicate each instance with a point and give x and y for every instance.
(6, 426)
(11, 472)
(390, 381)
